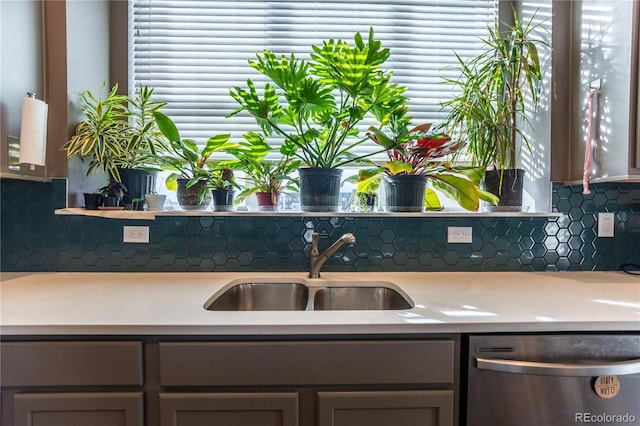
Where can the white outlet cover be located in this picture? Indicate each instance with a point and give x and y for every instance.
(459, 234)
(606, 224)
(135, 234)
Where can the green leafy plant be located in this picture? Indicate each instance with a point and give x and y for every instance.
(263, 175)
(186, 159)
(145, 139)
(222, 178)
(117, 132)
(420, 151)
(100, 136)
(495, 88)
(315, 105)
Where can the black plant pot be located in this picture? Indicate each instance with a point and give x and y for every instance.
(405, 193)
(222, 200)
(92, 201)
(138, 183)
(319, 189)
(110, 202)
(188, 197)
(509, 192)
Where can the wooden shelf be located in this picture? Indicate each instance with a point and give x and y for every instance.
(151, 215)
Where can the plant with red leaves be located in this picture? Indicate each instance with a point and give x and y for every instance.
(421, 151)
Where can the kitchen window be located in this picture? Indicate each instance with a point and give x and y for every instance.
(193, 52)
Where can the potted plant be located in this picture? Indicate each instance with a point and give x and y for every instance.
(92, 200)
(315, 106)
(264, 178)
(155, 201)
(112, 195)
(119, 136)
(415, 158)
(221, 182)
(496, 88)
(99, 137)
(191, 172)
(365, 197)
(137, 166)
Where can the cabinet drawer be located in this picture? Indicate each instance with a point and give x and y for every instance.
(70, 408)
(406, 408)
(306, 363)
(230, 409)
(71, 363)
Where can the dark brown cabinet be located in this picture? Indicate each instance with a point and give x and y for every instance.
(385, 408)
(71, 408)
(60, 383)
(229, 409)
(170, 381)
(330, 383)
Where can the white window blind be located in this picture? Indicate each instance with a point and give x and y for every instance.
(193, 52)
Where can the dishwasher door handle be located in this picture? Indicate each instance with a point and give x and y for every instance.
(620, 368)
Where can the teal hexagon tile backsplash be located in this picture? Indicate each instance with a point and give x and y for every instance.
(35, 239)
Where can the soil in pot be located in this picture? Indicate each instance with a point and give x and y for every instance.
(405, 193)
(188, 197)
(222, 200)
(509, 192)
(320, 189)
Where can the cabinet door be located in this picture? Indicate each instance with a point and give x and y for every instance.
(229, 409)
(63, 409)
(385, 408)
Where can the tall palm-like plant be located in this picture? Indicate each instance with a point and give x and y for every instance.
(496, 88)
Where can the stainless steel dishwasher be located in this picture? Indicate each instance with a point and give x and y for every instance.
(553, 380)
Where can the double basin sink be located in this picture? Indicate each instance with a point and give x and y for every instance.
(307, 295)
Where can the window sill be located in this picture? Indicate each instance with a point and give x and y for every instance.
(151, 215)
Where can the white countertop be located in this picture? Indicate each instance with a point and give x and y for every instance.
(445, 302)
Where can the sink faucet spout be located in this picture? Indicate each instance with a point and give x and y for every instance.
(317, 260)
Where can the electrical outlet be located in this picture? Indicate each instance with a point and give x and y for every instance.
(135, 234)
(457, 234)
(606, 224)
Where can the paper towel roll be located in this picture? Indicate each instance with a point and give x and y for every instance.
(33, 131)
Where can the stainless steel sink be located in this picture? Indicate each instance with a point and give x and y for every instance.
(359, 298)
(312, 294)
(261, 297)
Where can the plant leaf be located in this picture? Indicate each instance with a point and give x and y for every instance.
(431, 200)
(458, 188)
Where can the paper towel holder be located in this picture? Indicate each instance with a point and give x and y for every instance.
(33, 131)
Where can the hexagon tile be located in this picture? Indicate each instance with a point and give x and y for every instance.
(34, 239)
